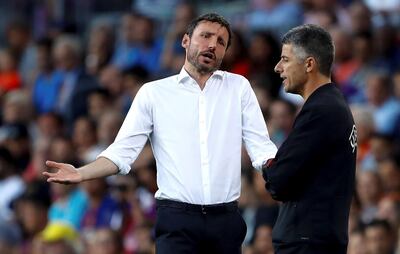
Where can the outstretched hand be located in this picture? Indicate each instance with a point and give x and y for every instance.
(65, 173)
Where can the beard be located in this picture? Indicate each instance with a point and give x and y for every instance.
(203, 68)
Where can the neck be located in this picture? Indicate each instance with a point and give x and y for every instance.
(200, 77)
(314, 83)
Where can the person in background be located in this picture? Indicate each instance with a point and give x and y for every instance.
(17, 108)
(11, 184)
(76, 83)
(9, 77)
(15, 138)
(105, 241)
(31, 209)
(386, 108)
(379, 237)
(69, 202)
(20, 43)
(99, 48)
(369, 191)
(281, 117)
(140, 46)
(173, 56)
(48, 81)
(58, 238)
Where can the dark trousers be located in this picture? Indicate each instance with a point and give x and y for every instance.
(186, 228)
(309, 248)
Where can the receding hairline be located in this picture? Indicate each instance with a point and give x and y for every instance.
(298, 51)
(312, 41)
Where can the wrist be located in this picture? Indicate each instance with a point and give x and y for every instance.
(81, 175)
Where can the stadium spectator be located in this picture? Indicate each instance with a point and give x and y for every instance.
(48, 81)
(99, 48)
(76, 84)
(369, 191)
(379, 237)
(31, 209)
(11, 185)
(386, 109)
(9, 76)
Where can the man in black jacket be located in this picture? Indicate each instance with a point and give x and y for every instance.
(314, 170)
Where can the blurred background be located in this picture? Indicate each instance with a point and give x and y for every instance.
(70, 69)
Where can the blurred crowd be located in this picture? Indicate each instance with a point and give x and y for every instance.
(69, 71)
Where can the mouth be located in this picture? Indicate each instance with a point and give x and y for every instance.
(208, 55)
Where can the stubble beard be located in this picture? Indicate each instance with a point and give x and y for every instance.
(294, 88)
(290, 88)
(193, 58)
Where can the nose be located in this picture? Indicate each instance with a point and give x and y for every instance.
(212, 44)
(278, 68)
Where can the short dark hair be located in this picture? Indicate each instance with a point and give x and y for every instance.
(315, 42)
(211, 17)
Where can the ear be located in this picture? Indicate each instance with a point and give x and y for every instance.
(310, 64)
(185, 41)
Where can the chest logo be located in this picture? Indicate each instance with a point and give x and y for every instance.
(353, 138)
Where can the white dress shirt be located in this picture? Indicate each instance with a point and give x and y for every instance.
(196, 136)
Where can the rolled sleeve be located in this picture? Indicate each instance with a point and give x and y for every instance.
(123, 168)
(133, 133)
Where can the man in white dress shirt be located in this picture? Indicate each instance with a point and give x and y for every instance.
(196, 122)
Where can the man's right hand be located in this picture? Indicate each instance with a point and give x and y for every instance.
(65, 173)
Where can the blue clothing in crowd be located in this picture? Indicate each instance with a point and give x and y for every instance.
(126, 56)
(46, 90)
(386, 116)
(72, 210)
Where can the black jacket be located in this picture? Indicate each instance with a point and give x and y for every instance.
(313, 172)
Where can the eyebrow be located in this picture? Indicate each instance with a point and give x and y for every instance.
(211, 33)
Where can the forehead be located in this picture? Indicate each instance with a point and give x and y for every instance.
(213, 27)
(287, 50)
(293, 52)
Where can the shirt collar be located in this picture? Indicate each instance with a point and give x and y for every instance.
(184, 75)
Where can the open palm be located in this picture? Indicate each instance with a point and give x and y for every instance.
(65, 173)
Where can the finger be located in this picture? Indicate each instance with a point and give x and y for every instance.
(52, 180)
(48, 174)
(53, 164)
(58, 180)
